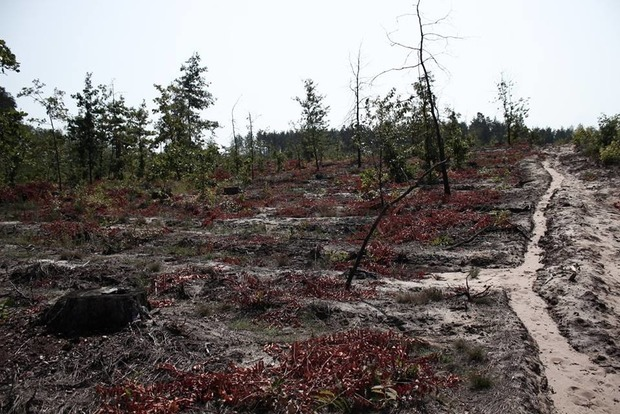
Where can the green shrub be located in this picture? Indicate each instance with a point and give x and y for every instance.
(479, 381)
(611, 153)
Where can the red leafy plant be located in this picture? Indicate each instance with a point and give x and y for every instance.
(69, 231)
(278, 302)
(353, 371)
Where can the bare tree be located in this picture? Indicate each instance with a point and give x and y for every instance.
(515, 110)
(236, 158)
(422, 59)
(251, 144)
(433, 104)
(356, 87)
(424, 56)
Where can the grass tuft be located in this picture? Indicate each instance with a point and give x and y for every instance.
(421, 297)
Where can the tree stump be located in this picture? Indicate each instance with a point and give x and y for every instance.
(103, 310)
(231, 190)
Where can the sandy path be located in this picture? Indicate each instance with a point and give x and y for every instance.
(579, 385)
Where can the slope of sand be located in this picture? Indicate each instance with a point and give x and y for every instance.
(578, 385)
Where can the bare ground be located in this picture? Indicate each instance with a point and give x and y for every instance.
(199, 323)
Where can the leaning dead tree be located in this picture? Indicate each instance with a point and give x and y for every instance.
(423, 57)
(382, 213)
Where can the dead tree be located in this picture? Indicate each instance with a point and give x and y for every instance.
(356, 87)
(423, 57)
(382, 213)
(432, 103)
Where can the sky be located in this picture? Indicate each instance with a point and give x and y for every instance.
(563, 55)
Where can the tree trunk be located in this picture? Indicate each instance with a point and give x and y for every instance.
(431, 99)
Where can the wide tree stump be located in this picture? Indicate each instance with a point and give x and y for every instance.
(231, 190)
(103, 310)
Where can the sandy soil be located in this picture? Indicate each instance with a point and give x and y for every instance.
(545, 322)
(579, 283)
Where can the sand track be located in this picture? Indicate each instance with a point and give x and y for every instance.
(578, 384)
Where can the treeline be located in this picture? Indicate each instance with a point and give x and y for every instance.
(109, 139)
(481, 130)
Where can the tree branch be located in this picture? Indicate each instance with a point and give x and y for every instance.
(382, 213)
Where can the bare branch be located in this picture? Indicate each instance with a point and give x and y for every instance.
(382, 213)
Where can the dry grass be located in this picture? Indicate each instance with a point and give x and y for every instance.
(421, 297)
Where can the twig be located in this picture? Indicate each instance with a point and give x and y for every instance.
(492, 227)
(20, 293)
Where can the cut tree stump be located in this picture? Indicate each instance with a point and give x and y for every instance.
(103, 310)
(231, 190)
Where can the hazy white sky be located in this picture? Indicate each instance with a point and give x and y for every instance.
(563, 54)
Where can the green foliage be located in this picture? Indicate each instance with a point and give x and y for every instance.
(56, 110)
(442, 240)
(457, 142)
(602, 144)
(515, 110)
(587, 140)
(370, 183)
(85, 131)
(611, 153)
(180, 127)
(7, 58)
(389, 125)
(313, 123)
(13, 138)
(609, 129)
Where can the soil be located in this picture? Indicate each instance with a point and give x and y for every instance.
(541, 322)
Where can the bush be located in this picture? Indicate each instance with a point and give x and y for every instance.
(587, 140)
(479, 381)
(611, 153)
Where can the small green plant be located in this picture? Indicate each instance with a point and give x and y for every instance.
(479, 381)
(5, 304)
(154, 267)
(212, 308)
(474, 272)
(500, 217)
(472, 353)
(338, 256)
(589, 176)
(369, 183)
(476, 354)
(443, 240)
(327, 398)
(611, 153)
